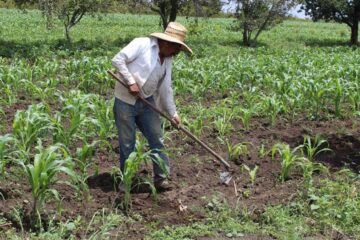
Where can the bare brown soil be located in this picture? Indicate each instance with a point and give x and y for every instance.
(195, 174)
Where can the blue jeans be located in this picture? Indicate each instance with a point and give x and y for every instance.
(127, 117)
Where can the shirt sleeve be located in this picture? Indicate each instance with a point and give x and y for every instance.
(125, 56)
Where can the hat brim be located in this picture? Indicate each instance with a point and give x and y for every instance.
(168, 38)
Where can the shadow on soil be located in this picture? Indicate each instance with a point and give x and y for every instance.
(3, 195)
(106, 182)
(345, 152)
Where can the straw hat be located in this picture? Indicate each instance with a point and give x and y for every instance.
(176, 33)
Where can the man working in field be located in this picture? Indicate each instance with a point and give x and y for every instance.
(145, 66)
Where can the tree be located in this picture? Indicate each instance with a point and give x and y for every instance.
(169, 9)
(70, 12)
(255, 16)
(342, 11)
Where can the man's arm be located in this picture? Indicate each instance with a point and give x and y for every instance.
(125, 56)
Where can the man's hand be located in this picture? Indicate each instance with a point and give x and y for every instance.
(134, 89)
(176, 120)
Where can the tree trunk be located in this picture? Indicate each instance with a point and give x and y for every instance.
(246, 39)
(354, 33)
(163, 14)
(173, 10)
(48, 11)
(67, 33)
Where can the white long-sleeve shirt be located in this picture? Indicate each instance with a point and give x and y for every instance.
(136, 64)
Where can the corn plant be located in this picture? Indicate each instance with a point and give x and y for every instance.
(288, 158)
(316, 93)
(308, 168)
(252, 172)
(272, 107)
(66, 134)
(262, 152)
(354, 97)
(33, 90)
(68, 122)
(9, 94)
(29, 125)
(246, 116)
(339, 95)
(236, 150)
(42, 174)
(83, 161)
(195, 126)
(223, 125)
(103, 119)
(116, 176)
(131, 167)
(5, 140)
(84, 158)
(312, 148)
(2, 123)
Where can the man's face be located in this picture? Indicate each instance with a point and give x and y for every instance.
(169, 49)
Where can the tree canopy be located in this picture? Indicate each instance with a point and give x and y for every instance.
(169, 9)
(70, 12)
(255, 16)
(342, 11)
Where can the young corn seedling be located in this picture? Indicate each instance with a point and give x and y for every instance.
(42, 174)
(339, 94)
(273, 107)
(2, 116)
(308, 168)
(29, 125)
(131, 167)
(288, 159)
(354, 97)
(83, 159)
(75, 111)
(312, 148)
(317, 93)
(64, 134)
(223, 125)
(35, 91)
(245, 117)
(9, 94)
(5, 141)
(252, 172)
(116, 176)
(104, 120)
(262, 152)
(195, 126)
(235, 151)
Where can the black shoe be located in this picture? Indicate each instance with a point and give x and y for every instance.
(162, 185)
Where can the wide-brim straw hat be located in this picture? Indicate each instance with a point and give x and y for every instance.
(176, 33)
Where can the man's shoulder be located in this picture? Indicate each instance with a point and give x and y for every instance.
(144, 41)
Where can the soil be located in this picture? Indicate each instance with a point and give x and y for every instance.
(195, 174)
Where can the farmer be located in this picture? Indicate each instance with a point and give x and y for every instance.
(145, 66)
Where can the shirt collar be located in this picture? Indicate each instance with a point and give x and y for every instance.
(154, 44)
